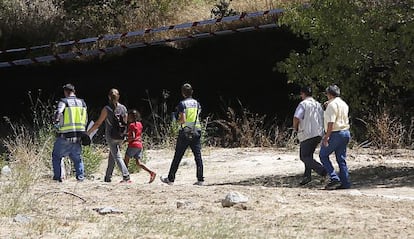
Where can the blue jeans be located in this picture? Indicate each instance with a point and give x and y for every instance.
(63, 148)
(338, 142)
(115, 156)
(181, 146)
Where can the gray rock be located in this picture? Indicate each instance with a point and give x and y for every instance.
(185, 204)
(107, 210)
(233, 198)
(6, 170)
(22, 218)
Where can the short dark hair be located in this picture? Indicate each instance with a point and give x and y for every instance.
(333, 90)
(187, 90)
(307, 90)
(135, 115)
(69, 87)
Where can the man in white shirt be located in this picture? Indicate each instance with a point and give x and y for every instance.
(308, 123)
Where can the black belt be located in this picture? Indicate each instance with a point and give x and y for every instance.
(70, 135)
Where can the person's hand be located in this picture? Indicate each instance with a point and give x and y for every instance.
(325, 141)
(325, 104)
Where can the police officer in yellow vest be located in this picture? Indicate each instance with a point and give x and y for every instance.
(70, 118)
(188, 116)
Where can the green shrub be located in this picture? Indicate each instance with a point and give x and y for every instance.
(222, 9)
(92, 158)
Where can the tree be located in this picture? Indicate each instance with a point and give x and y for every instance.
(364, 46)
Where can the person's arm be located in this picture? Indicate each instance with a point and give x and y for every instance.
(59, 112)
(181, 114)
(295, 123)
(125, 117)
(99, 122)
(131, 133)
(327, 134)
(298, 115)
(181, 117)
(330, 118)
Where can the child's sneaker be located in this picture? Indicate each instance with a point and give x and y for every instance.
(152, 177)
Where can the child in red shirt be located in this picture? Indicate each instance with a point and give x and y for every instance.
(134, 140)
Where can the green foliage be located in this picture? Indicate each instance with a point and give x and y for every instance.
(163, 135)
(92, 158)
(366, 47)
(222, 9)
(93, 18)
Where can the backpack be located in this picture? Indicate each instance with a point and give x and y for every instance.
(119, 130)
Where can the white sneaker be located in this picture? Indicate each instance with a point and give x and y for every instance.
(166, 180)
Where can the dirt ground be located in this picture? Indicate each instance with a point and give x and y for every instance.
(379, 205)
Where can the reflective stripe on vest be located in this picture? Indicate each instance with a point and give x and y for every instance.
(74, 116)
(190, 110)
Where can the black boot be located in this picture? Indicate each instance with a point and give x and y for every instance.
(305, 180)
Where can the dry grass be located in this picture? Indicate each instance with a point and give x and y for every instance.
(25, 23)
(388, 132)
(27, 167)
(242, 128)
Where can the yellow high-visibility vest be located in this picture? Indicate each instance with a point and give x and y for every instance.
(75, 116)
(192, 112)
